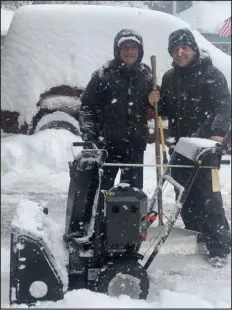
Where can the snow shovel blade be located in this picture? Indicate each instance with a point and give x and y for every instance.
(180, 241)
(176, 232)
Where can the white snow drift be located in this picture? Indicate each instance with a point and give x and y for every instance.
(46, 151)
(51, 45)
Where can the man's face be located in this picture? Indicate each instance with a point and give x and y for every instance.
(129, 52)
(182, 55)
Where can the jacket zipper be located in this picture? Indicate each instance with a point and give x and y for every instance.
(178, 107)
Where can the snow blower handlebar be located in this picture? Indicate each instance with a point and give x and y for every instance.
(220, 149)
(223, 147)
(87, 145)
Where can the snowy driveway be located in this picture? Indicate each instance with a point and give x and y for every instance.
(37, 169)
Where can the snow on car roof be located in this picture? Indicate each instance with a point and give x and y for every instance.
(51, 45)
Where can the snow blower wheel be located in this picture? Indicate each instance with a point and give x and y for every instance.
(123, 278)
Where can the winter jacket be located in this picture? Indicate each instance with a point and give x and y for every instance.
(113, 105)
(196, 100)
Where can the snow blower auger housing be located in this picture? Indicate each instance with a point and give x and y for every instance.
(104, 231)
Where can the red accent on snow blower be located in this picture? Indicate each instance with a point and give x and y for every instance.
(151, 218)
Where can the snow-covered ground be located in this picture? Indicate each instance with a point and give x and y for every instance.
(36, 168)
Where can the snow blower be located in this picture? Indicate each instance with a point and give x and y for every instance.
(104, 230)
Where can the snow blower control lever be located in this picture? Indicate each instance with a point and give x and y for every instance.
(105, 236)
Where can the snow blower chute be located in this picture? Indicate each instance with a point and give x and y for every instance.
(104, 231)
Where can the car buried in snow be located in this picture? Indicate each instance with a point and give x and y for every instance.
(51, 51)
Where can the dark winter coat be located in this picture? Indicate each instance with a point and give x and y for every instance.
(196, 100)
(113, 109)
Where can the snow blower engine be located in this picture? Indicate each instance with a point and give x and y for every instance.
(104, 230)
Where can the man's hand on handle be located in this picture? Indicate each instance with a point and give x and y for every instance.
(154, 97)
(217, 138)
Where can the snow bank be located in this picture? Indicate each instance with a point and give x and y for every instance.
(46, 151)
(55, 45)
(86, 299)
(5, 258)
(207, 16)
(6, 18)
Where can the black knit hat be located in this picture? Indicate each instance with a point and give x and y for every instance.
(128, 35)
(182, 37)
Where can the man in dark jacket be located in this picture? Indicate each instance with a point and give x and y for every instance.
(113, 109)
(196, 99)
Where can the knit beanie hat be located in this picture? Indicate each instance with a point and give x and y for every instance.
(182, 37)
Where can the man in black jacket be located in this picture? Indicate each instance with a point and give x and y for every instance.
(195, 97)
(113, 109)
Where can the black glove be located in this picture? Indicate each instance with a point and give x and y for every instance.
(102, 144)
(90, 138)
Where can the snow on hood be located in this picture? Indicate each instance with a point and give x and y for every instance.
(204, 54)
(205, 57)
(52, 45)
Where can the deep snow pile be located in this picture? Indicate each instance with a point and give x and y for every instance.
(207, 16)
(178, 277)
(86, 299)
(54, 45)
(41, 152)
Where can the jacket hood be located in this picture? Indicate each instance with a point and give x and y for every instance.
(204, 57)
(125, 35)
(182, 37)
